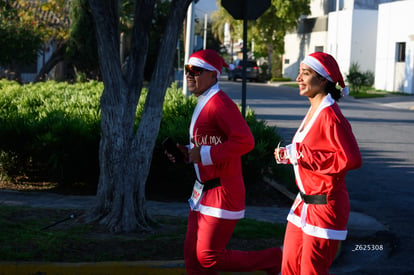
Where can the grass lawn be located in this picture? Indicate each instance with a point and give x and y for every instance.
(29, 234)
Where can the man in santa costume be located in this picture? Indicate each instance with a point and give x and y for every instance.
(219, 136)
(322, 151)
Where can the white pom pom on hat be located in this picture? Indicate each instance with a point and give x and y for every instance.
(325, 65)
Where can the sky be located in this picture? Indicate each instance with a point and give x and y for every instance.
(205, 6)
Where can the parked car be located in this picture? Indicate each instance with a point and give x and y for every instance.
(252, 71)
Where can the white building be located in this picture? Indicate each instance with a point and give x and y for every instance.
(355, 31)
(394, 68)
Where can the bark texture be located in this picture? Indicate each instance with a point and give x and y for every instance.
(125, 154)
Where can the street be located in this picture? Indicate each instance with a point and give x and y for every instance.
(382, 188)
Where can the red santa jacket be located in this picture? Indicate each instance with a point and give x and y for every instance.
(321, 154)
(224, 136)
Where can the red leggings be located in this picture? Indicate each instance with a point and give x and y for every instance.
(205, 249)
(306, 255)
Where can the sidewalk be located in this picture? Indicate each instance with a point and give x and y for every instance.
(359, 225)
(404, 102)
(397, 101)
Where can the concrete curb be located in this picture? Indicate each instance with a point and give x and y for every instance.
(107, 268)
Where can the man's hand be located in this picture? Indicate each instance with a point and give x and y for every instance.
(195, 155)
(183, 149)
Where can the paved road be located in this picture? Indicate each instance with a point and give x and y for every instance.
(382, 188)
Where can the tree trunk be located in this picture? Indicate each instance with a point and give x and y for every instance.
(57, 56)
(270, 59)
(125, 155)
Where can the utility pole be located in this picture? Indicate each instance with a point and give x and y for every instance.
(244, 59)
(178, 56)
(245, 10)
(205, 32)
(189, 42)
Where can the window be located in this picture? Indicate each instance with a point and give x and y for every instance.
(318, 48)
(400, 52)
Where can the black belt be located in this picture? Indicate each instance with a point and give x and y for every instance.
(313, 199)
(210, 184)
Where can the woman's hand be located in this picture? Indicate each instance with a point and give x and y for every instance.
(281, 155)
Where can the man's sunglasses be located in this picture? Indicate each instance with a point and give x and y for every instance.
(193, 70)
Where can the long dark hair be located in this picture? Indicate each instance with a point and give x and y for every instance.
(330, 87)
(335, 92)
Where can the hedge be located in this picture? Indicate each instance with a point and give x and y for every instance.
(50, 132)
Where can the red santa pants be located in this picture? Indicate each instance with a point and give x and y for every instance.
(306, 255)
(205, 253)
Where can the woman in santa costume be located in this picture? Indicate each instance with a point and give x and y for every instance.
(219, 136)
(322, 151)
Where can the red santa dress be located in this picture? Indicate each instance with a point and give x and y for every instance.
(321, 154)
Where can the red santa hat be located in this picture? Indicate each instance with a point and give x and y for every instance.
(325, 65)
(209, 60)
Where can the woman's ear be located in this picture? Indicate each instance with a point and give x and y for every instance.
(324, 81)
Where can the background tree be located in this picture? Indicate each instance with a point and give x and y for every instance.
(269, 30)
(81, 49)
(53, 25)
(220, 17)
(213, 41)
(20, 40)
(125, 152)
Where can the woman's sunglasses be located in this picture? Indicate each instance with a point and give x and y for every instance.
(193, 70)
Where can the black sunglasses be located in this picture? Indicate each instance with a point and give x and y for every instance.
(193, 70)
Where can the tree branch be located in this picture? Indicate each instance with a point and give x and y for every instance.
(58, 55)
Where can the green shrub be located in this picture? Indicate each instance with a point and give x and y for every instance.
(50, 131)
(176, 180)
(358, 79)
(369, 78)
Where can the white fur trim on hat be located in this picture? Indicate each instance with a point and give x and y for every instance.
(202, 64)
(326, 65)
(317, 66)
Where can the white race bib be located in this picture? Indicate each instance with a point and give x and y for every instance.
(196, 196)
